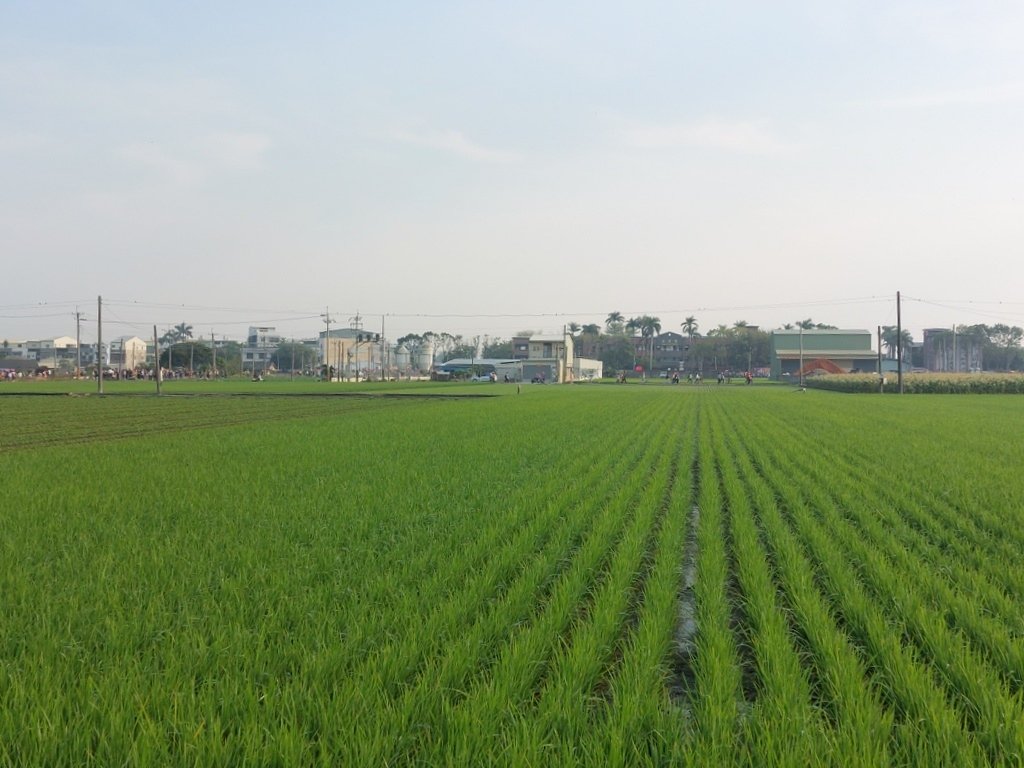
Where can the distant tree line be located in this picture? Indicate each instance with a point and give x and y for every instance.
(621, 343)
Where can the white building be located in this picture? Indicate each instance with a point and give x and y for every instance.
(260, 345)
(127, 353)
(46, 352)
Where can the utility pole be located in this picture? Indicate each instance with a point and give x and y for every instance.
(326, 315)
(801, 357)
(881, 377)
(99, 344)
(899, 344)
(357, 323)
(156, 367)
(78, 342)
(213, 347)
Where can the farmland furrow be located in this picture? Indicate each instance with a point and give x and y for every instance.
(716, 696)
(638, 720)
(782, 721)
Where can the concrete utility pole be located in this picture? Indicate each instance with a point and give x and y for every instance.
(801, 357)
(156, 366)
(78, 342)
(326, 315)
(99, 344)
(881, 376)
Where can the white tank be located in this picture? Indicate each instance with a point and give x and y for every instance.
(402, 357)
(425, 357)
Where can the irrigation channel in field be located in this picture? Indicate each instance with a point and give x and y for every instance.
(603, 575)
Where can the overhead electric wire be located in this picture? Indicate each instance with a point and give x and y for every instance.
(498, 323)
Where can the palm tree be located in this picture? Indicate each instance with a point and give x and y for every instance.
(614, 322)
(631, 327)
(168, 340)
(740, 324)
(574, 329)
(650, 327)
(890, 340)
(183, 331)
(807, 324)
(689, 326)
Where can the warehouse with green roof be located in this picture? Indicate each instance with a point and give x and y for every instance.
(821, 351)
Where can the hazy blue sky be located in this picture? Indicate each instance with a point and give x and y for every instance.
(515, 165)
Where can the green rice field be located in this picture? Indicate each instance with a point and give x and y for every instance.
(425, 574)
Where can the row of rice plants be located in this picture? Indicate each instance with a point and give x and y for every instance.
(574, 695)
(924, 605)
(497, 580)
(502, 712)
(975, 542)
(383, 725)
(781, 723)
(905, 675)
(33, 422)
(964, 593)
(929, 727)
(639, 724)
(960, 454)
(221, 614)
(256, 613)
(716, 694)
(888, 571)
(858, 727)
(393, 725)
